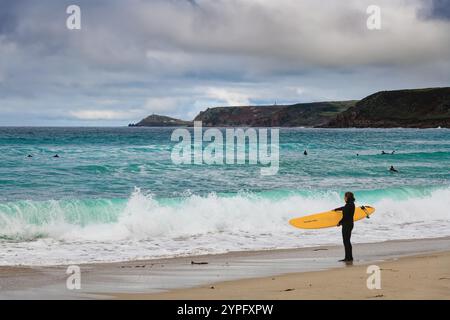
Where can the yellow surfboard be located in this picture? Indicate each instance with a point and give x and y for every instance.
(329, 219)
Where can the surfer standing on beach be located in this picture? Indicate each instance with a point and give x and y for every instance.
(346, 222)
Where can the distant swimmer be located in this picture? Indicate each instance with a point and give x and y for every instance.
(29, 156)
(393, 151)
(55, 156)
(382, 152)
(305, 153)
(357, 154)
(392, 169)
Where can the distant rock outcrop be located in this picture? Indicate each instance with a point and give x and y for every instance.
(160, 121)
(416, 108)
(296, 115)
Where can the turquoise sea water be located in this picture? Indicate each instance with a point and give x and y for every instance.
(115, 194)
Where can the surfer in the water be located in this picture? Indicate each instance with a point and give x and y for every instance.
(346, 222)
(392, 169)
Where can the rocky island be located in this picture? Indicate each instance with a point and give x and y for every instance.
(161, 121)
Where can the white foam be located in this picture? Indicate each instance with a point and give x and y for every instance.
(146, 228)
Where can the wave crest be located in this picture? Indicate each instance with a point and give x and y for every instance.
(144, 217)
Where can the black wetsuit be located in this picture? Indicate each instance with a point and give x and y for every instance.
(347, 226)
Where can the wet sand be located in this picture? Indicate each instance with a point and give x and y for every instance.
(411, 269)
(421, 277)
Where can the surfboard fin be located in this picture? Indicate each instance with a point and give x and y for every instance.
(365, 211)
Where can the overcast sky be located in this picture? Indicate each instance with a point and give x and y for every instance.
(177, 57)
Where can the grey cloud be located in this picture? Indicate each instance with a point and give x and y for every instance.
(435, 9)
(177, 50)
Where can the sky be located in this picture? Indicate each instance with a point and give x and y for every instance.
(134, 58)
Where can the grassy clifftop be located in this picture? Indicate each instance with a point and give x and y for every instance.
(416, 108)
(296, 115)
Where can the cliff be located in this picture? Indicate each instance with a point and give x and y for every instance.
(296, 115)
(417, 108)
(161, 121)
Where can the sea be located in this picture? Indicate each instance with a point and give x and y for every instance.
(115, 194)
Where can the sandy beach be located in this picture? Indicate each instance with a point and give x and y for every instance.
(410, 269)
(420, 277)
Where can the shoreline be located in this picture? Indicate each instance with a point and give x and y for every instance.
(127, 280)
(229, 254)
